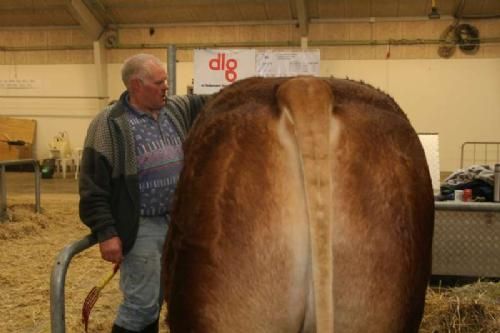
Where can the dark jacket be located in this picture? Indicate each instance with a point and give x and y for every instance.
(109, 184)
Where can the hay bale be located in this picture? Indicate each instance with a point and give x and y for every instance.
(21, 221)
(473, 308)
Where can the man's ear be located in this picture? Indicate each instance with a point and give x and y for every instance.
(135, 84)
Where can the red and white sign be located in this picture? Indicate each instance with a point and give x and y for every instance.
(214, 69)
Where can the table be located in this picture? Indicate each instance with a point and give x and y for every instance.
(3, 189)
(466, 239)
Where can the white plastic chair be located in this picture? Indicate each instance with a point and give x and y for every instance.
(60, 151)
(77, 157)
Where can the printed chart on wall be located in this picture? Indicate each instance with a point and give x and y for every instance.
(271, 63)
(20, 84)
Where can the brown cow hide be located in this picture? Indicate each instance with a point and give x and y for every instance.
(304, 204)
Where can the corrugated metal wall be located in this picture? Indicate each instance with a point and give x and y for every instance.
(71, 46)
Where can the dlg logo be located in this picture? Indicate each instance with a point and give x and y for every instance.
(229, 66)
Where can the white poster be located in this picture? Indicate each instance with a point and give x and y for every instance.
(214, 69)
(271, 63)
(430, 142)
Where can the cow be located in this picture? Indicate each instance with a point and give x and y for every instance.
(305, 205)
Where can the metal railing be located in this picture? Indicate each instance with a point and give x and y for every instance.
(467, 206)
(58, 280)
(479, 152)
(3, 189)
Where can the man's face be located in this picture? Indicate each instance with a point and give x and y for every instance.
(152, 90)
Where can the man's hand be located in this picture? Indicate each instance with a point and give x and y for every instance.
(111, 250)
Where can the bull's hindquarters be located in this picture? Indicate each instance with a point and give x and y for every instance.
(241, 255)
(240, 236)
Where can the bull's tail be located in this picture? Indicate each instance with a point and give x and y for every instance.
(308, 101)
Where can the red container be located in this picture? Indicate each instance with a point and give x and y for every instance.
(467, 194)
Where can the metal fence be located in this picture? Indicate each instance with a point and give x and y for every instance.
(479, 152)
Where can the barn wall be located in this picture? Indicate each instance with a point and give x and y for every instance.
(71, 46)
(456, 97)
(68, 100)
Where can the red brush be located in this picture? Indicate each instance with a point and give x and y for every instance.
(93, 295)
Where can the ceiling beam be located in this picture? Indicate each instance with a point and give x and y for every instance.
(302, 17)
(86, 19)
(37, 7)
(201, 24)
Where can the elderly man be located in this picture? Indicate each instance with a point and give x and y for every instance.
(131, 162)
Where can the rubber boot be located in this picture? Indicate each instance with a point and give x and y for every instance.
(119, 329)
(151, 328)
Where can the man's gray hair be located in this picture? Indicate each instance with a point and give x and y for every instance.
(137, 66)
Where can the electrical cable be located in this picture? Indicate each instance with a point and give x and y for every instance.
(447, 46)
(467, 37)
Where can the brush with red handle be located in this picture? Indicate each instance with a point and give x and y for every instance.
(93, 295)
